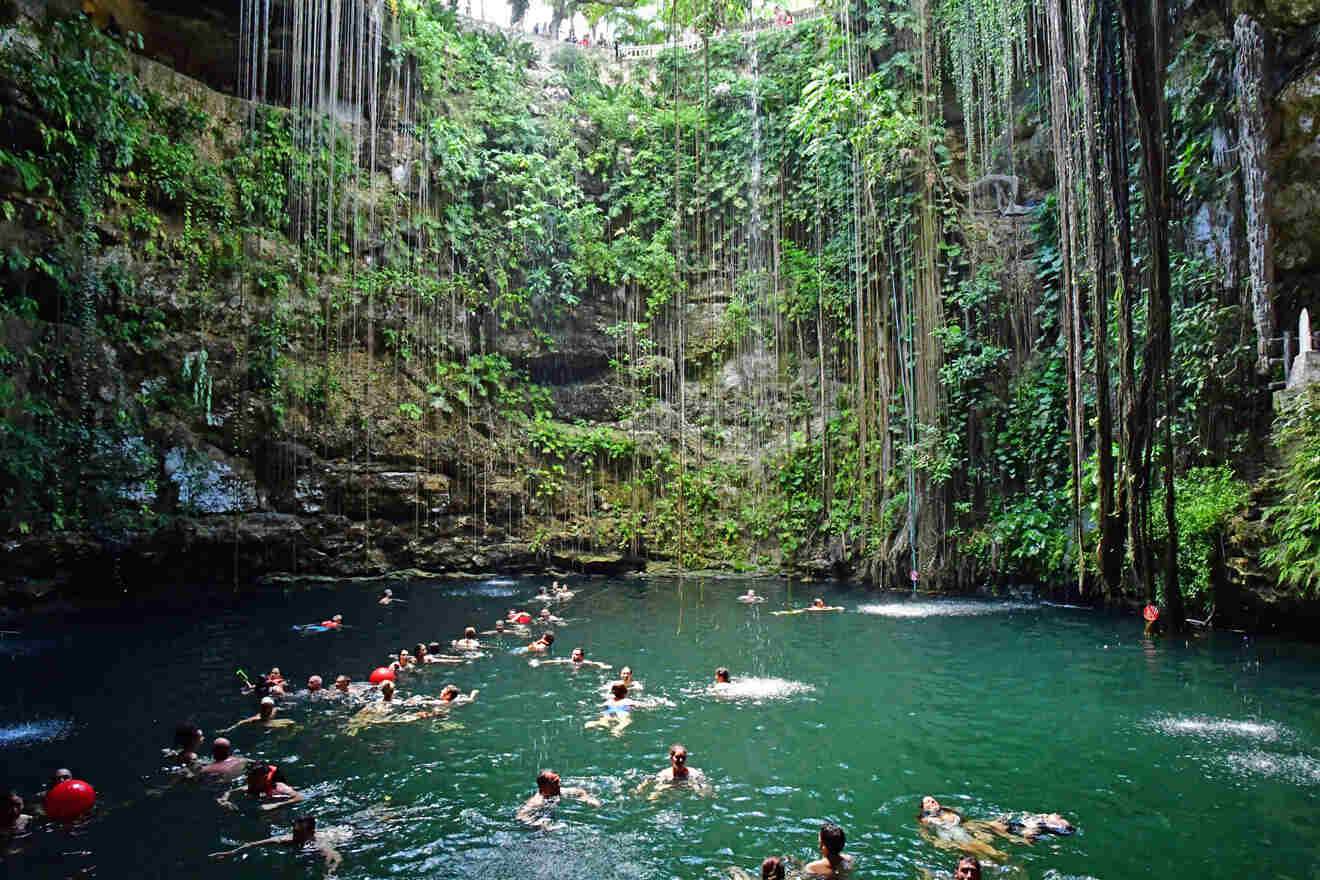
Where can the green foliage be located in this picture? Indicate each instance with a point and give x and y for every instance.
(1206, 499)
(1293, 549)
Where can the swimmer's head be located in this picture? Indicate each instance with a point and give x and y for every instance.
(304, 829)
(433, 648)
(387, 689)
(449, 693)
(389, 592)
(831, 839)
(470, 632)
(772, 869)
(13, 807)
(64, 774)
(678, 754)
(342, 682)
(929, 805)
(721, 676)
(499, 626)
(221, 749)
(548, 638)
(619, 690)
(187, 736)
(545, 613)
(625, 675)
(267, 707)
(818, 602)
(274, 673)
(338, 618)
(420, 649)
(314, 683)
(547, 783)
(969, 868)
(577, 656)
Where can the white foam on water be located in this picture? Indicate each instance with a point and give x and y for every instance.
(500, 582)
(759, 689)
(1299, 769)
(1220, 728)
(951, 608)
(34, 731)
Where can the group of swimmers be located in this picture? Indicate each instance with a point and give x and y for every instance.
(265, 784)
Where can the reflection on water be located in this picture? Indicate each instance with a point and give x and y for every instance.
(996, 707)
(947, 608)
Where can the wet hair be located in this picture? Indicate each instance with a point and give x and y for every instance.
(343, 678)
(259, 768)
(186, 734)
(545, 778)
(63, 774)
(973, 861)
(420, 649)
(387, 685)
(221, 748)
(832, 838)
(266, 701)
(675, 747)
(772, 869)
(619, 689)
(317, 679)
(449, 689)
(304, 821)
(470, 632)
(434, 648)
(722, 674)
(548, 638)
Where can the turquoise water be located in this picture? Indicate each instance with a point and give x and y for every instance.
(1173, 758)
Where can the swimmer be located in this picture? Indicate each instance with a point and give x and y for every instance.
(750, 597)
(469, 641)
(626, 676)
(548, 619)
(676, 774)
(274, 683)
(969, 868)
(1030, 826)
(387, 598)
(314, 684)
(265, 783)
(536, 810)
(188, 738)
(387, 690)
(547, 594)
(773, 868)
(304, 835)
(499, 629)
(577, 658)
(722, 676)
(617, 714)
(435, 654)
(518, 616)
(333, 623)
(265, 717)
(224, 763)
(452, 695)
(832, 862)
(817, 604)
(947, 829)
(341, 683)
(541, 645)
(14, 821)
(562, 591)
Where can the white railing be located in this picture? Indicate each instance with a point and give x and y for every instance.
(631, 53)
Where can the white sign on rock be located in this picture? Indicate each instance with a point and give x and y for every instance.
(1304, 332)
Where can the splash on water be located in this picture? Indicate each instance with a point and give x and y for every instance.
(1298, 769)
(758, 689)
(1220, 728)
(34, 732)
(953, 608)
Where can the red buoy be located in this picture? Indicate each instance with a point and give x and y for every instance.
(382, 674)
(1151, 613)
(69, 800)
(523, 618)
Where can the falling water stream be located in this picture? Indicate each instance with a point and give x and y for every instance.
(1173, 757)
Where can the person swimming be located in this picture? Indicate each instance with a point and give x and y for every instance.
(547, 619)
(722, 676)
(678, 773)
(303, 835)
(817, 604)
(266, 784)
(1030, 826)
(541, 645)
(224, 763)
(265, 717)
(537, 811)
(947, 829)
(188, 738)
(750, 597)
(577, 658)
(617, 713)
(833, 862)
(387, 598)
(469, 641)
(13, 821)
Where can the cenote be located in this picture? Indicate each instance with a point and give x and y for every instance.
(1171, 756)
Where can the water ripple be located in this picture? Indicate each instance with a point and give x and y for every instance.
(951, 608)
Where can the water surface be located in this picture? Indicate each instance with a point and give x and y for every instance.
(1172, 757)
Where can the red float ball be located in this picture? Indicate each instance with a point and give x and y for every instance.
(382, 674)
(69, 800)
(1151, 613)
